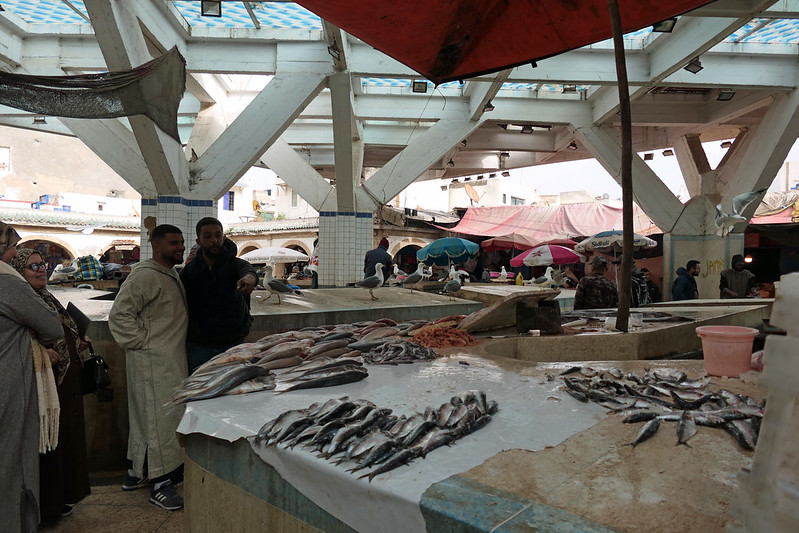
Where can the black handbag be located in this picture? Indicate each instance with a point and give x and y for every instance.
(95, 373)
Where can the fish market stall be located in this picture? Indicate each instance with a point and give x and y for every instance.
(545, 458)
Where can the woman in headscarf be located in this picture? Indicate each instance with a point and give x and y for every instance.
(63, 472)
(22, 314)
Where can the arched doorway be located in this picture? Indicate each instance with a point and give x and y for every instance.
(121, 252)
(52, 253)
(405, 258)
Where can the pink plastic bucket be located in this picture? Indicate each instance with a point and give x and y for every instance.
(727, 349)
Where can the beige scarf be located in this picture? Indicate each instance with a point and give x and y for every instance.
(49, 408)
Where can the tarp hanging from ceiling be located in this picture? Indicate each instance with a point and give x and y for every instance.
(543, 223)
(458, 39)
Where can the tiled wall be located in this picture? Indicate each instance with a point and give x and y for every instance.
(181, 212)
(344, 239)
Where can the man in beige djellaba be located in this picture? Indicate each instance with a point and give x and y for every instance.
(149, 320)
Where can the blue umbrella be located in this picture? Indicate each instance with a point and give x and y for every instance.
(442, 252)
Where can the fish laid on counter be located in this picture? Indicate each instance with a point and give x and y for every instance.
(219, 383)
(667, 395)
(359, 432)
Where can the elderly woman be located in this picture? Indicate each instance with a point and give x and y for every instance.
(22, 313)
(63, 472)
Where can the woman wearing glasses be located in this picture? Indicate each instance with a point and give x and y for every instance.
(63, 472)
(22, 314)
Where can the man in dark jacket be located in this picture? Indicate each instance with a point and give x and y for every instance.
(737, 282)
(595, 291)
(378, 255)
(684, 286)
(218, 287)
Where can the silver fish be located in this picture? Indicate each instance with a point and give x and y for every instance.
(400, 458)
(649, 429)
(686, 428)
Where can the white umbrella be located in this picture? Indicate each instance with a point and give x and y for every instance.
(274, 254)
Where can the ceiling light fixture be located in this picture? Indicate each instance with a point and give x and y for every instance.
(450, 163)
(334, 52)
(569, 89)
(726, 144)
(725, 96)
(572, 146)
(464, 143)
(492, 175)
(664, 26)
(527, 129)
(39, 120)
(534, 64)
(504, 155)
(455, 180)
(211, 8)
(443, 187)
(505, 174)
(694, 66)
(668, 152)
(419, 86)
(488, 107)
(649, 157)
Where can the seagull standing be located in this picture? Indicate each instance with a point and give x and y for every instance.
(451, 287)
(276, 286)
(503, 274)
(546, 279)
(372, 282)
(726, 221)
(416, 277)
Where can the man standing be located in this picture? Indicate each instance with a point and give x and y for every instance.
(378, 255)
(218, 287)
(737, 282)
(595, 291)
(684, 286)
(149, 321)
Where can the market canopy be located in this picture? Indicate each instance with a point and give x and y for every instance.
(544, 223)
(459, 39)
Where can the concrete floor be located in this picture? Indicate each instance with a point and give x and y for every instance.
(109, 509)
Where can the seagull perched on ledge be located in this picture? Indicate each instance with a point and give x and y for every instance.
(726, 221)
(276, 286)
(372, 282)
(416, 277)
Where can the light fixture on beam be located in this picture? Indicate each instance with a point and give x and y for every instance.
(455, 180)
(334, 52)
(443, 187)
(664, 26)
(649, 157)
(668, 152)
(726, 144)
(211, 8)
(572, 146)
(748, 258)
(492, 175)
(488, 107)
(39, 120)
(569, 89)
(527, 129)
(464, 143)
(694, 66)
(419, 86)
(725, 96)
(504, 155)
(450, 163)
(505, 174)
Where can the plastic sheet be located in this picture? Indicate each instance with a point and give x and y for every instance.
(532, 415)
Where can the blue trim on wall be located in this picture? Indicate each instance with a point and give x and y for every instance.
(176, 200)
(364, 215)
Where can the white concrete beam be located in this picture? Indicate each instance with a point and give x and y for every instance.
(254, 130)
(300, 176)
(649, 192)
(416, 158)
(343, 136)
(484, 92)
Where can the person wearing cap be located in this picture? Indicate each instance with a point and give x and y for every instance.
(595, 291)
(737, 282)
(378, 255)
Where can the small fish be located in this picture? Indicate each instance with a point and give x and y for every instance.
(347, 375)
(649, 429)
(686, 428)
(640, 416)
(400, 458)
(743, 434)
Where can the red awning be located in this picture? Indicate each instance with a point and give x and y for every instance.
(543, 223)
(783, 217)
(458, 39)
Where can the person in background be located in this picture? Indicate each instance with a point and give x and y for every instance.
(22, 314)
(378, 255)
(313, 265)
(737, 282)
(684, 285)
(595, 291)
(651, 287)
(64, 471)
(149, 320)
(218, 286)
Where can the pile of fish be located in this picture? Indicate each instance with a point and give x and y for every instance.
(322, 372)
(249, 367)
(399, 352)
(360, 433)
(667, 395)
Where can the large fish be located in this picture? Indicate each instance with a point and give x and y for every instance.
(340, 376)
(221, 383)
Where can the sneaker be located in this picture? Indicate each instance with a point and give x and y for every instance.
(134, 483)
(67, 510)
(166, 498)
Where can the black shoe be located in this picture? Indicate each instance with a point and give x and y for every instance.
(67, 510)
(166, 497)
(134, 483)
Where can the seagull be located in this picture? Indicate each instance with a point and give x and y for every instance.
(726, 221)
(451, 287)
(546, 279)
(416, 277)
(426, 272)
(276, 286)
(399, 272)
(372, 282)
(503, 275)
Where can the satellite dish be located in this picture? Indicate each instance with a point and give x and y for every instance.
(471, 193)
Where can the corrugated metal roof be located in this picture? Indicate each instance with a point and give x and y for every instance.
(66, 218)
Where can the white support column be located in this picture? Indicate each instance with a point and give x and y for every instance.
(650, 193)
(176, 210)
(343, 134)
(713, 253)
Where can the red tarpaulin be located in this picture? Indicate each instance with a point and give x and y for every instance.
(458, 39)
(544, 223)
(783, 217)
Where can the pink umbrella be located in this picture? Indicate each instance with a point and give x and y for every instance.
(507, 242)
(547, 254)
